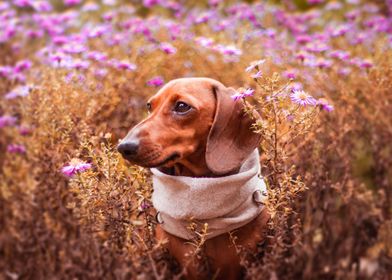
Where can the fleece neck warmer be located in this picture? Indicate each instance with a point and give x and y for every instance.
(224, 203)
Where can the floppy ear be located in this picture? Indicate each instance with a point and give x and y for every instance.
(231, 139)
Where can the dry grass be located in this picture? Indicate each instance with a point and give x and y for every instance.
(329, 174)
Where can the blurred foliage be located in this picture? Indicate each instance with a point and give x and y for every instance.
(330, 188)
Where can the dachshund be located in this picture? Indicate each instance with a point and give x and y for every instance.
(194, 128)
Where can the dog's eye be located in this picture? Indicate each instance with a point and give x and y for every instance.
(148, 105)
(181, 107)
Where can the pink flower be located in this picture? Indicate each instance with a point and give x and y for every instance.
(20, 91)
(254, 64)
(156, 81)
(303, 38)
(364, 64)
(22, 3)
(72, 2)
(290, 74)
(324, 105)
(74, 48)
(22, 65)
(229, 50)
(42, 6)
(144, 205)
(300, 97)
(324, 63)
(243, 93)
(150, 3)
(7, 121)
(168, 48)
(124, 65)
(257, 75)
(204, 42)
(23, 130)
(97, 56)
(344, 71)
(312, 2)
(16, 149)
(343, 55)
(75, 166)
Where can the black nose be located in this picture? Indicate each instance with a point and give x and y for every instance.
(128, 149)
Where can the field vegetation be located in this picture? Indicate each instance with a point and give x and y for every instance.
(75, 76)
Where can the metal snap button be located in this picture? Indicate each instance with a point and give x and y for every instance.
(258, 197)
(158, 218)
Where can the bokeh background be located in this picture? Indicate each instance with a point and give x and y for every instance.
(74, 78)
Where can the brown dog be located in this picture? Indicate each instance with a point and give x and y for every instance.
(195, 129)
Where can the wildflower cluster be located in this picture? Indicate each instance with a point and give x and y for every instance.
(75, 76)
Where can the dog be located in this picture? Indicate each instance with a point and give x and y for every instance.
(195, 129)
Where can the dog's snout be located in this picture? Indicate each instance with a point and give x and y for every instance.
(128, 148)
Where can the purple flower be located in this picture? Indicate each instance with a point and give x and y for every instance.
(90, 7)
(242, 93)
(20, 91)
(98, 31)
(323, 63)
(295, 86)
(72, 2)
(156, 81)
(257, 75)
(22, 65)
(144, 205)
(204, 42)
(343, 55)
(125, 65)
(340, 30)
(151, 3)
(300, 97)
(254, 64)
(290, 74)
(303, 38)
(214, 3)
(23, 3)
(203, 18)
(7, 121)
(324, 105)
(97, 56)
(344, 71)
(5, 71)
(109, 2)
(4, 6)
(228, 50)
(316, 47)
(100, 73)
(312, 2)
(364, 64)
(16, 149)
(23, 130)
(42, 6)
(333, 6)
(74, 48)
(301, 55)
(57, 57)
(75, 166)
(168, 48)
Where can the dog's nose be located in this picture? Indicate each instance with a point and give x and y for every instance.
(129, 148)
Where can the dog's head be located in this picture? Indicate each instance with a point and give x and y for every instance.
(187, 117)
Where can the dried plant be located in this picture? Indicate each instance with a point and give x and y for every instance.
(74, 78)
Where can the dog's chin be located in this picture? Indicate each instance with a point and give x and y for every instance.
(160, 161)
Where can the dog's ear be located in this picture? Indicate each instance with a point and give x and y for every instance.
(231, 139)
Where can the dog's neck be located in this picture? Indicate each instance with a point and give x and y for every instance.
(192, 166)
(224, 203)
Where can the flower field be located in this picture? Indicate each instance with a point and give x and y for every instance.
(75, 76)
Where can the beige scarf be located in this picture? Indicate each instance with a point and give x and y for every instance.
(224, 203)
